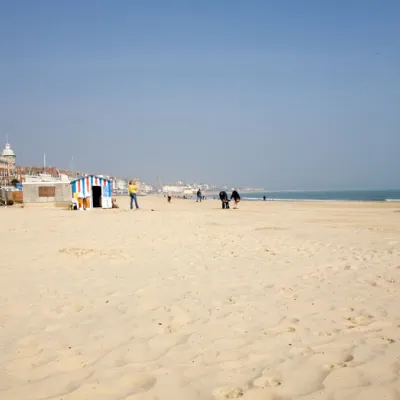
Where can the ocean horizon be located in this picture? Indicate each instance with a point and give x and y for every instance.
(324, 195)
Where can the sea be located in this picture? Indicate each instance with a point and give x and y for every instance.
(328, 195)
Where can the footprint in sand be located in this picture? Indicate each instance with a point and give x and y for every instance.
(267, 382)
(342, 364)
(361, 319)
(223, 393)
(334, 366)
(389, 340)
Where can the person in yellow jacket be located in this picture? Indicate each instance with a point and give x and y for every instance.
(133, 188)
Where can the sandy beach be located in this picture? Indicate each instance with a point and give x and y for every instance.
(274, 301)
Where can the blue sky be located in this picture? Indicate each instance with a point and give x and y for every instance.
(279, 94)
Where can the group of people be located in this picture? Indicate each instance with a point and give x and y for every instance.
(199, 197)
(235, 196)
(134, 187)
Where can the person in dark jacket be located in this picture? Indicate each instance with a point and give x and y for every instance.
(236, 198)
(224, 199)
(198, 196)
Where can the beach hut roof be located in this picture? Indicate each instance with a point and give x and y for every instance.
(85, 176)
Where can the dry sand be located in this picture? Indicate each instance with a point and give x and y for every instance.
(272, 301)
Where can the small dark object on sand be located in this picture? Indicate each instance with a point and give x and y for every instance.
(114, 203)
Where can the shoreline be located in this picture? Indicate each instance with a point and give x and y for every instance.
(321, 200)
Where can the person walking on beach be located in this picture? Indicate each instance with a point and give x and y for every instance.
(224, 199)
(236, 198)
(133, 188)
(198, 196)
(169, 197)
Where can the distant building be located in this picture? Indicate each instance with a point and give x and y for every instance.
(179, 189)
(48, 193)
(7, 163)
(41, 174)
(145, 188)
(120, 186)
(204, 186)
(175, 189)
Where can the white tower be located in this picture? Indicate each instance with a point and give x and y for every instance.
(8, 160)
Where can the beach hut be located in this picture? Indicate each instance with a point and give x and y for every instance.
(92, 191)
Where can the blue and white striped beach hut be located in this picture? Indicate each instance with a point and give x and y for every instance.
(94, 191)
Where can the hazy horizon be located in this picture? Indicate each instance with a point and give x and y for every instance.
(276, 94)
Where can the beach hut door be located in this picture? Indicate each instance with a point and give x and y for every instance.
(96, 196)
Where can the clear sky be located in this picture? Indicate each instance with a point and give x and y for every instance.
(280, 94)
